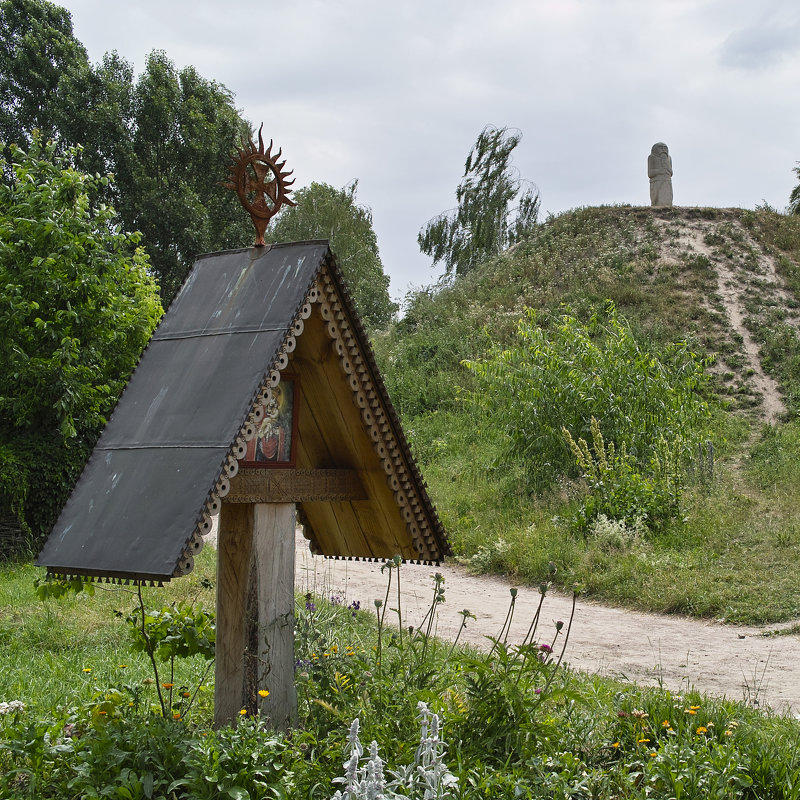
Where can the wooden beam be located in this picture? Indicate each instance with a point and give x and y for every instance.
(234, 549)
(274, 560)
(254, 485)
(255, 614)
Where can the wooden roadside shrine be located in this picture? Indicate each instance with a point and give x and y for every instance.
(259, 400)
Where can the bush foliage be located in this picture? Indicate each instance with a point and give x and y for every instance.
(567, 377)
(77, 306)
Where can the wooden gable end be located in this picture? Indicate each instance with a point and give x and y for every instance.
(370, 501)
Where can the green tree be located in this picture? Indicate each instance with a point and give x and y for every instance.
(37, 52)
(323, 212)
(484, 223)
(77, 306)
(166, 136)
(794, 197)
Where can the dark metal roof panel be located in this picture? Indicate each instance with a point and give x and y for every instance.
(132, 512)
(135, 505)
(192, 391)
(240, 290)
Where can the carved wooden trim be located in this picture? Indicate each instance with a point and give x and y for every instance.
(253, 485)
(376, 422)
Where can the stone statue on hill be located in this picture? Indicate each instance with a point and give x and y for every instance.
(659, 170)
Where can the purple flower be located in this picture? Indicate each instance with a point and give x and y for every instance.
(310, 606)
(545, 648)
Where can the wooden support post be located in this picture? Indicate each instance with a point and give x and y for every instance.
(255, 613)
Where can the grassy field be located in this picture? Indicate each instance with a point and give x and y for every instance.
(512, 722)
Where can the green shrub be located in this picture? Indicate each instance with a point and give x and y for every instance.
(551, 381)
(618, 490)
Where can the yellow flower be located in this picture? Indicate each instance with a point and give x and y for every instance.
(616, 744)
(690, 710)
(643, 741)
(334, 648)
(243, 712)
(263, 692)
(87, 669)
(665, 724)
(729, 732)
(123, 666)
(653, 755)
(702, 729)
(696, 708)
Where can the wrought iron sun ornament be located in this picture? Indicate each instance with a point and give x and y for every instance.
(259, 179)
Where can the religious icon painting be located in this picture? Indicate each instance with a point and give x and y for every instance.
(275, 442)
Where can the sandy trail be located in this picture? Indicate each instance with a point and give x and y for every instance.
(738, 662)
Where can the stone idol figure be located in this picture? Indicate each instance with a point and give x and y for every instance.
(659, 169)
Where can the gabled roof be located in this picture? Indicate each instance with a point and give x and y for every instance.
(169, 454)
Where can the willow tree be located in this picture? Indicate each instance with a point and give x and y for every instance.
(486, 220)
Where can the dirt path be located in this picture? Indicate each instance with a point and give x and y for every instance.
(679, 652)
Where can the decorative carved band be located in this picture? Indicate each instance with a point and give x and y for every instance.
(253, 485)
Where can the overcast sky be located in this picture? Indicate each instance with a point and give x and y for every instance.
(394, 94)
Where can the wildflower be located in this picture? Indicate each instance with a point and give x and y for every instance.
(644, 741)
(243, 712)
(622, 714)
(545, 648)
(616, 744)
(167, 685)
(639, 714)
(653, 754)
(666, 724)
(729, 732)
(702, 729)
(695, 708)
(311, 607)
(263, 692)
(12, 707)
(186, 694)
(123, 666)
(690, 711)
(176, 715)
(87, 669)
(102, 713)
(334, 648)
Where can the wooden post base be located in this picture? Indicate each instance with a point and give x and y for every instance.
(255, 613)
